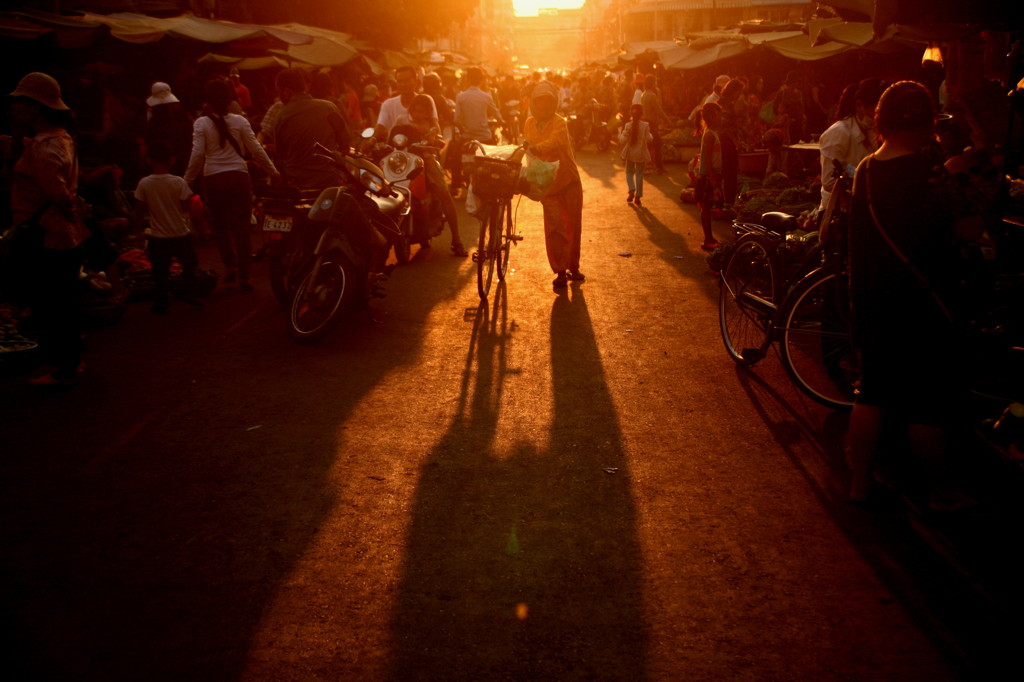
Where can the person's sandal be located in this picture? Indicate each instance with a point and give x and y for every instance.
(560, 282)
(629, 197)
(577, 276)
(459, 250)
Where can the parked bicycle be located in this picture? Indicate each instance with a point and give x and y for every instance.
(495, 182)
(780, 287)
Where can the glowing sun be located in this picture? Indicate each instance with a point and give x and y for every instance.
(528, 8)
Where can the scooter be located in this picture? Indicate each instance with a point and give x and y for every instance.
(404, 168)
(586, 126)
(357, 222)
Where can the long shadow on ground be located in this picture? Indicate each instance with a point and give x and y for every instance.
(974, 629)
(148, 517)
(525, 565)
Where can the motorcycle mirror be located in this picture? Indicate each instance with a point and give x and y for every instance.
(367, 133)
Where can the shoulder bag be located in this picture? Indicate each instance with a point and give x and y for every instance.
(922, 281)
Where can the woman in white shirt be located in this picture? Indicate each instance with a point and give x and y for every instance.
(218, 141)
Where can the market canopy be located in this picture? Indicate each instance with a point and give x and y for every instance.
(285, 43)
(138, 28)
(685, 57)
(244, 63)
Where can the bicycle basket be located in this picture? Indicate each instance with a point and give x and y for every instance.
(495, 178)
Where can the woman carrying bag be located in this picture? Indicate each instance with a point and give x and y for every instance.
(218, 141)
(547, 138)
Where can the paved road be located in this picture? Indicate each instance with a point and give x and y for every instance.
(573, 486)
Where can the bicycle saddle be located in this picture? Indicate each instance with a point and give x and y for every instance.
(780, 222)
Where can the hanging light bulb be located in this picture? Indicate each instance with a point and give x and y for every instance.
(932, 53)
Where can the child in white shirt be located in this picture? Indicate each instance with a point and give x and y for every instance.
(165, 198)
(634, 138)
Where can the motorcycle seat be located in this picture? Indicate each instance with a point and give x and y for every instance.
(286, 193)
(390, 205)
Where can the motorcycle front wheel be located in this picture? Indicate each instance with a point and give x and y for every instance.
(326, 293)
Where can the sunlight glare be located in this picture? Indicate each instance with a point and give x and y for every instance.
(528, 8)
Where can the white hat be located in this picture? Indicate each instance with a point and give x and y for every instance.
(161, 94)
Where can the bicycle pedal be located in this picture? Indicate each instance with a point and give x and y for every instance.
(516, 238)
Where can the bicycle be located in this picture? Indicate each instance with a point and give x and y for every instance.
(772, 291)
(495, 182)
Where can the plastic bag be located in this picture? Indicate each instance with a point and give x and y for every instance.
(473, 203)
(538, 176)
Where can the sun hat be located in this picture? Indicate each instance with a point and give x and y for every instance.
(161, 94)
(370, 93)
(41, 88)
(545, 89)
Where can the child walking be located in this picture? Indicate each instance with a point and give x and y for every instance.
(634, 138)
(709, 170)
(165, 198)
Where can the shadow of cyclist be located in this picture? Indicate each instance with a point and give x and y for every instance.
(523, 562)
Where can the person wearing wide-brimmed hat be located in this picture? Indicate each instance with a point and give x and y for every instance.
(547, 138)
(44, 191)
(169, 120)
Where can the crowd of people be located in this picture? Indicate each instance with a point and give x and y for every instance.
(216, 149)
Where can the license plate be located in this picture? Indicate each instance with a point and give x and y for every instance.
(277, 224)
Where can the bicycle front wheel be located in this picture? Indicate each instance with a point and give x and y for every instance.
(746, 300)
(486, 253)
(505, 240)
(816, 341)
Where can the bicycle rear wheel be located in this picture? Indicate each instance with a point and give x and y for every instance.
(816, 342)
(506, 238)
(486, 253)
(746, 300)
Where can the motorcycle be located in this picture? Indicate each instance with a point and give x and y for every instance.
(281, 215)
(403, 167)
(344, 275)
(510, 114)
(588, 125)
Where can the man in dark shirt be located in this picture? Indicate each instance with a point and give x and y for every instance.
(304, 121)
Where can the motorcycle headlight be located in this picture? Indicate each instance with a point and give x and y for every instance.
(398, 164)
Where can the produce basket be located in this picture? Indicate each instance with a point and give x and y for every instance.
(495, 178)
(141, 288)
(15, 347)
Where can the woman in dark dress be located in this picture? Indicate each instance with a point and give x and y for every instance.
(903, 284)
